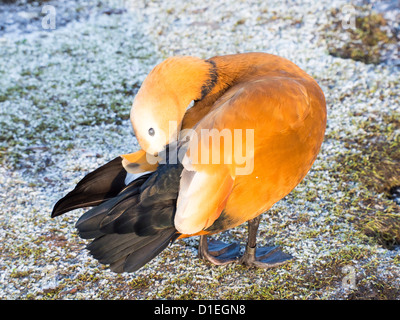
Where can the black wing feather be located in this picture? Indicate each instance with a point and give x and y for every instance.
(96, 187)
(136, 225)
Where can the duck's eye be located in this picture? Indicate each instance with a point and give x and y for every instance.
(151, 132)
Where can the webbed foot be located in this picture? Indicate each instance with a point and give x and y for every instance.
(265, 257)
(218, 252)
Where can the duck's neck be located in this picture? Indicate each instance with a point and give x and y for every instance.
(237, 68)
(225, 72)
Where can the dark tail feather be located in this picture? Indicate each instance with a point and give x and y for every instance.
(98, 221)
(129, 252)
(98, 186)
(136, 225)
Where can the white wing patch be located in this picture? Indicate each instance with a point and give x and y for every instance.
(133, 176)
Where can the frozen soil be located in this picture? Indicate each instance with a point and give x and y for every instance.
(65, 96)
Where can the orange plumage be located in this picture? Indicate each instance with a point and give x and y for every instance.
(278, 104)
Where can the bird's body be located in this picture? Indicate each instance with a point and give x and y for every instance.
(280, 114)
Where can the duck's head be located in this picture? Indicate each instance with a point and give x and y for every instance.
(164, 96)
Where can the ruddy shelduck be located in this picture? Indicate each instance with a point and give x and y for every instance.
(253, 131)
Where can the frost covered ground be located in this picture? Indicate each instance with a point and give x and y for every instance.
(65, 96)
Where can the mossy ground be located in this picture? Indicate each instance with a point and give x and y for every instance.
(64, 108)
(376, 165)
(361, 35)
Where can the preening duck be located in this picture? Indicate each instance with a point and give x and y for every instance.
(252, 134)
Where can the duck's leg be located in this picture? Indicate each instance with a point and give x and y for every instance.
(218, 252)
(265, 257)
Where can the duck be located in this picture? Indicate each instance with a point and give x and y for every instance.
(222, 140)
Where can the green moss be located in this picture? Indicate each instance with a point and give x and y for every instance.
(19, 274)
(383, 227)
(52, 292)
(374, 287)
(27, 250)
(140, 283)
(365, 42)
(87, 276)
(376, 165)
(303, 281)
